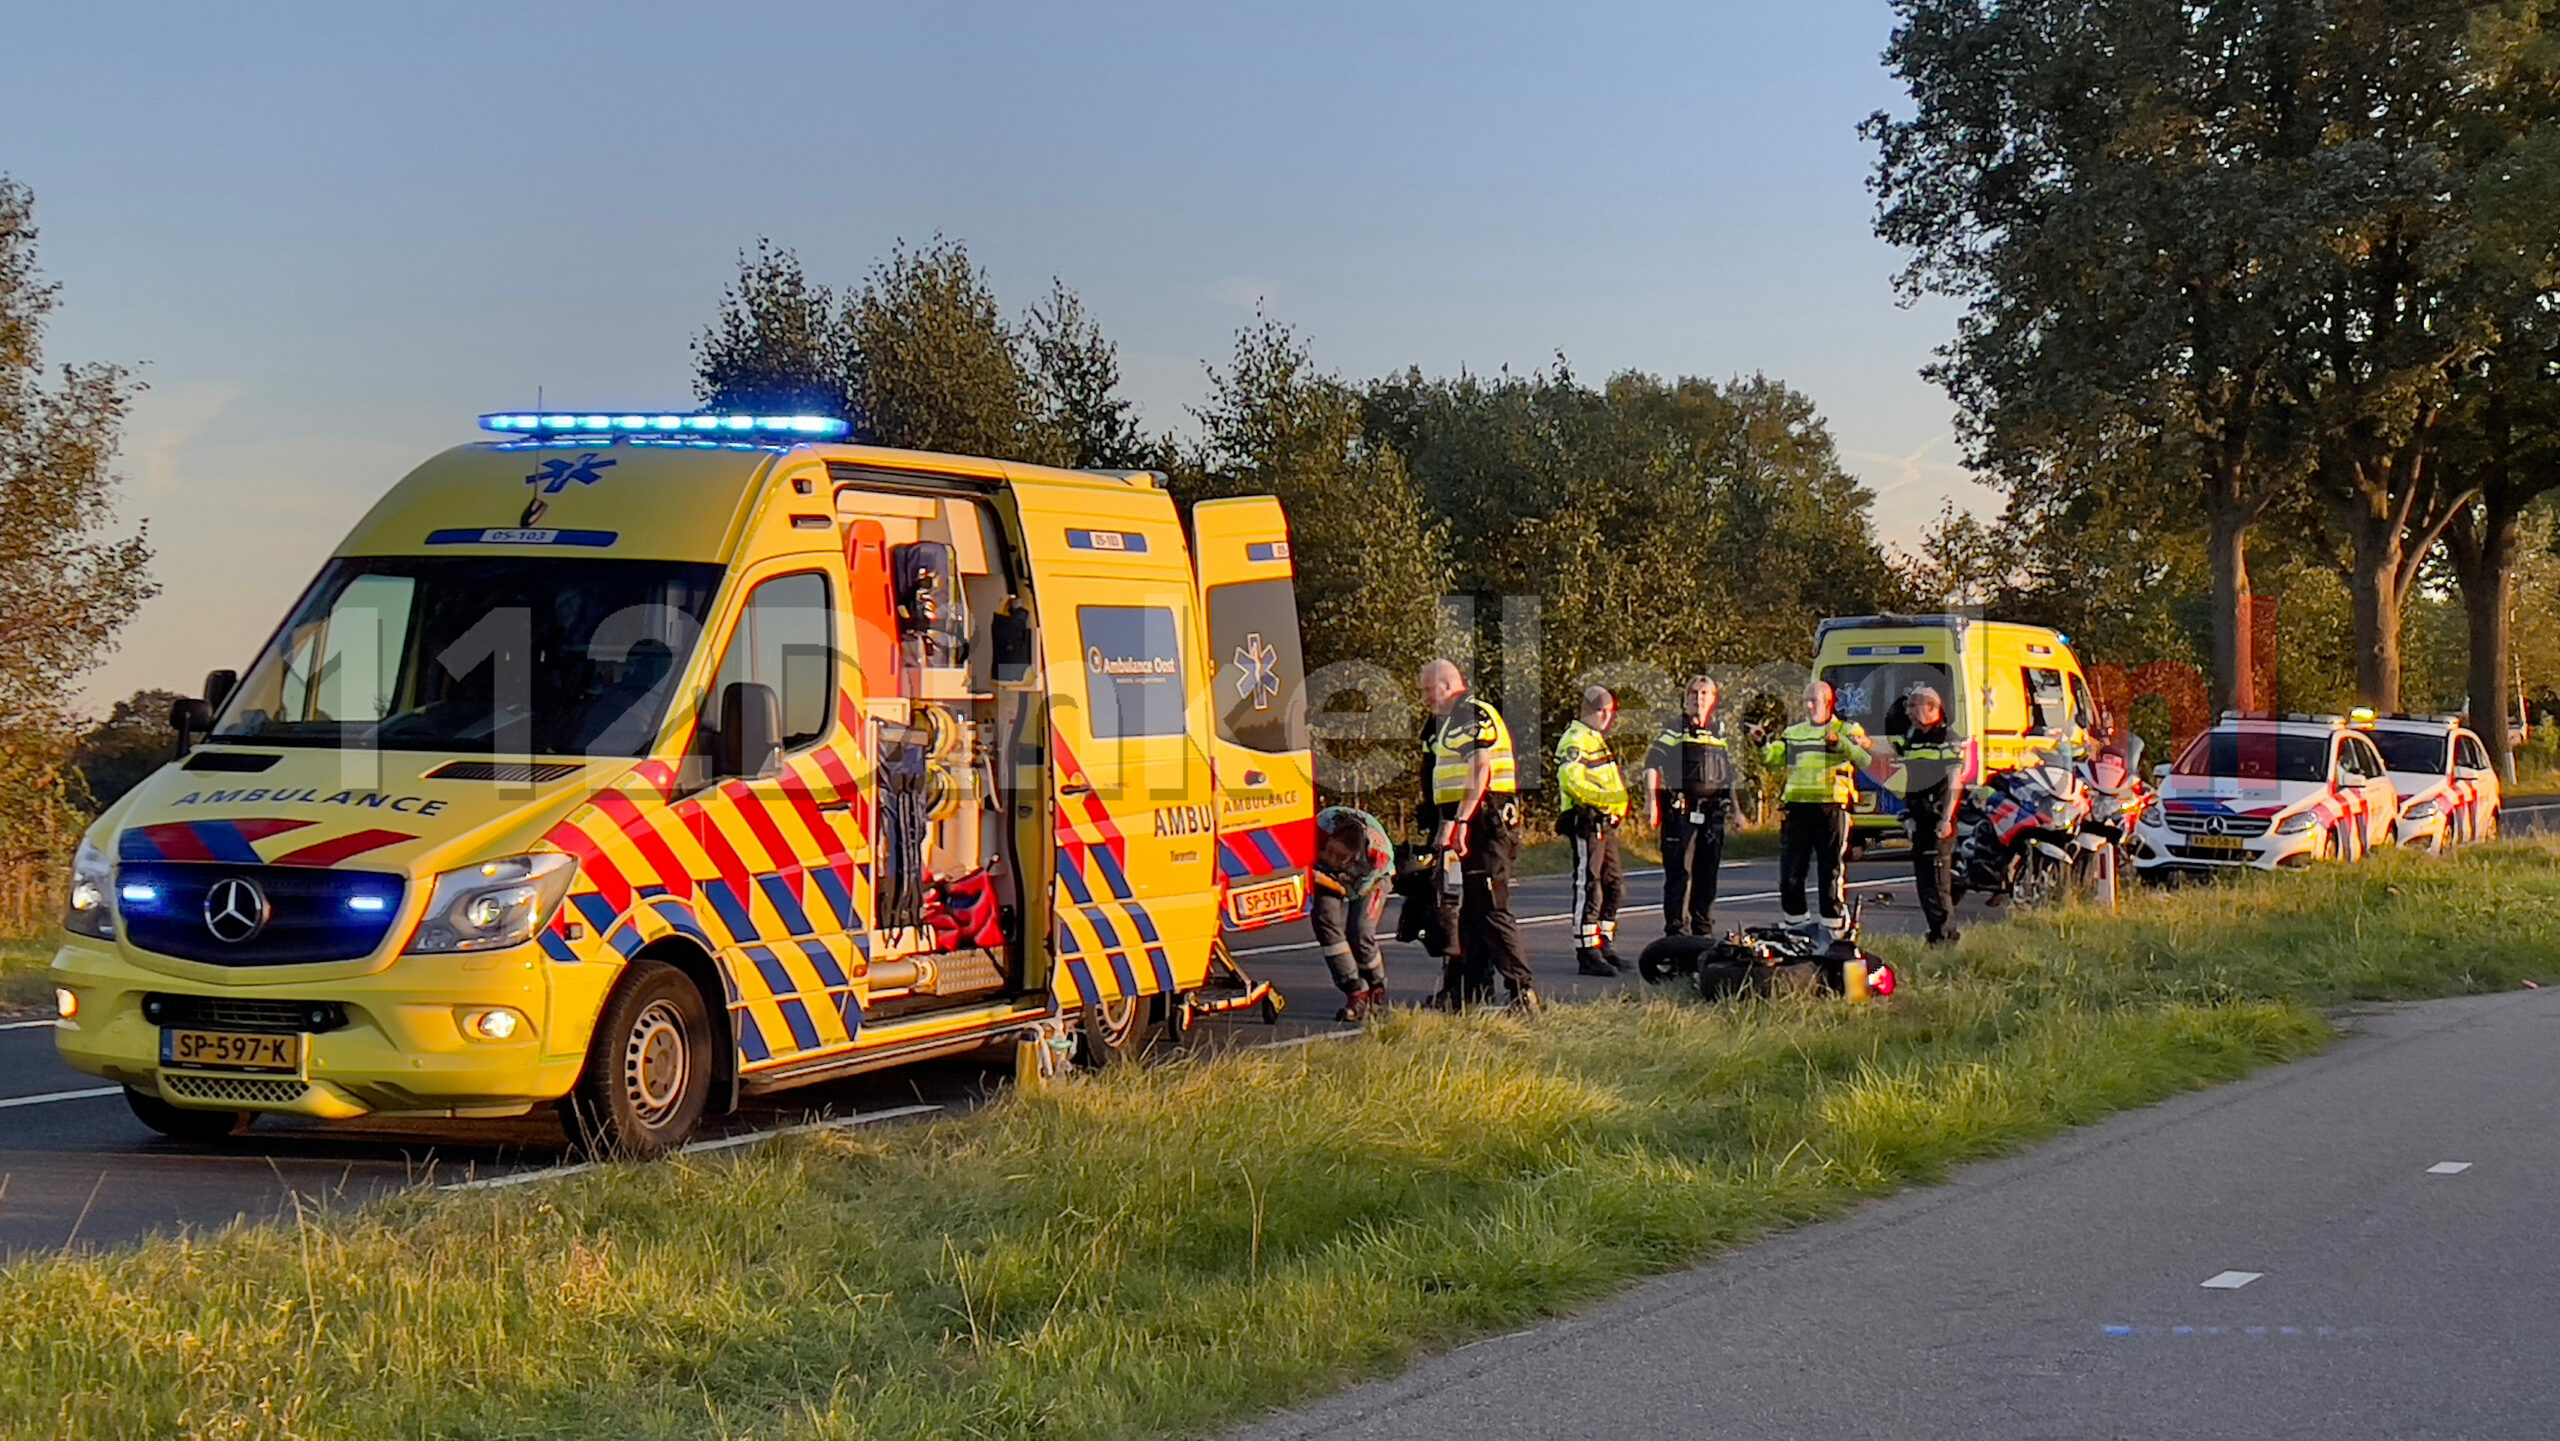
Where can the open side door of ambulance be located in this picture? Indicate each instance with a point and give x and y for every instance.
(1259, 748)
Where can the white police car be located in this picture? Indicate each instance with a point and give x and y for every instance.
(2270, 792)
(2449, 793)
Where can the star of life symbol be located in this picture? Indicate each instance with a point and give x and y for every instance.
(556, 476)
(1258, 667)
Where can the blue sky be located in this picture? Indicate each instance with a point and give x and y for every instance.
(330, 236)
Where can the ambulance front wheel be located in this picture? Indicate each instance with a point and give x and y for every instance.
(183, 1123)
(648, 1073)
(1115, 1031)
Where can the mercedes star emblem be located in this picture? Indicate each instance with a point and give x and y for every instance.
(235, 910)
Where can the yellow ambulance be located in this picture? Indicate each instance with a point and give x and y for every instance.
(2008, 688)
(639, 763)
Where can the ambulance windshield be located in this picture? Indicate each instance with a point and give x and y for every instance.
(504, 654)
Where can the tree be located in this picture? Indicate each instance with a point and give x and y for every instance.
(1660, 525)
(1075, 370)
(2115, 193)
(119, 752)
(2501, 435)
(68, 583)
(936, 366)
(778, 345)
(1372, 564)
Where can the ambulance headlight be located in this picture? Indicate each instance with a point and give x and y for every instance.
(93, 907)
(495, 903)
(2297, 823)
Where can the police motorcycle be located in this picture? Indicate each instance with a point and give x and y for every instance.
(2023, 835)
(2118, 800)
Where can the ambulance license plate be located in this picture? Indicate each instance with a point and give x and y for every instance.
(230, 1051)
(2220, 843)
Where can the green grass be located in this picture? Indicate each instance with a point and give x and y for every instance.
(23, 987)
(1159, 1251)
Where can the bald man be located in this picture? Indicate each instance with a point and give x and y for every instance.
(1473, 818)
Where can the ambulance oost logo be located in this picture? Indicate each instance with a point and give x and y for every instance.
(1258, 671)
(555, 476)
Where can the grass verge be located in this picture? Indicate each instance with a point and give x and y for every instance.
(23, 963)
(1158, 1251)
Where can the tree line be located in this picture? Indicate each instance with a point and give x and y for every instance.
(1552, 531)
(2251, 288)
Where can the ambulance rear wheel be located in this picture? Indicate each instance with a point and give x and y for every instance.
(648, 1075)
(1115, 1031)
(183, 1123)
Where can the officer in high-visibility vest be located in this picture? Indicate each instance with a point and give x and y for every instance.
(1474, 821)
(1592, 797)
(1822, 754)
(1688, 786)
(1932, 773)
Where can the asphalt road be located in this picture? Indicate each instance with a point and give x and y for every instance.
(2355, 1245)
(77, 1169)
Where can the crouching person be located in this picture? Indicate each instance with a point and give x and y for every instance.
(1355, 864)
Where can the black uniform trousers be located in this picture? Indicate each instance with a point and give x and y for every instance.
(1599, 883)
(1813, 836)
(1933, 859)
(1692, 857)
(1478, 914)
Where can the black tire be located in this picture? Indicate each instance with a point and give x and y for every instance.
(648, 1075)
(1115, 1032)
(184, 1123)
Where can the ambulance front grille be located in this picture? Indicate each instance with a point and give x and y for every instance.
(233, 1090)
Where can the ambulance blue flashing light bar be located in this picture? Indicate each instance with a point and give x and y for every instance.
(811, 427)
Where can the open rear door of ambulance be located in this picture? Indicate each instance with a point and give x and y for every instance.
(1259, 747)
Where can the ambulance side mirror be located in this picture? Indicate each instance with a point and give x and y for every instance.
(750, 746)
(192, 718)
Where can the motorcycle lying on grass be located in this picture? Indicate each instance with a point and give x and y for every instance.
(1775, 960)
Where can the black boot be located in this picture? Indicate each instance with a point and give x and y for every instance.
(1590, 963)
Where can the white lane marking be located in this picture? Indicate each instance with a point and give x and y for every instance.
(1566, 916)
(27, 1025)
(1306, 1040)
(2448, 1168)
(47, 1100)
(721, 1143)
(2231, 1280)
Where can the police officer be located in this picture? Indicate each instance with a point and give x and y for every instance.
(1688, 785)
(1822, 754)
(1474, 821)
(1592, 797)
(1932, 768)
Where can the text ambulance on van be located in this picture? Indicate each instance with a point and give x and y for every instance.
(642, 762)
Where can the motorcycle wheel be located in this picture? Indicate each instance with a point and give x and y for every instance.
(2037, 881)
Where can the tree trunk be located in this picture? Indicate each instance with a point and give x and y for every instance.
(2375, 584)
(2484, 565)
(2233, 669)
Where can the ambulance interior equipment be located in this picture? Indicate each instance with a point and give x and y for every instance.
(942, 641)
